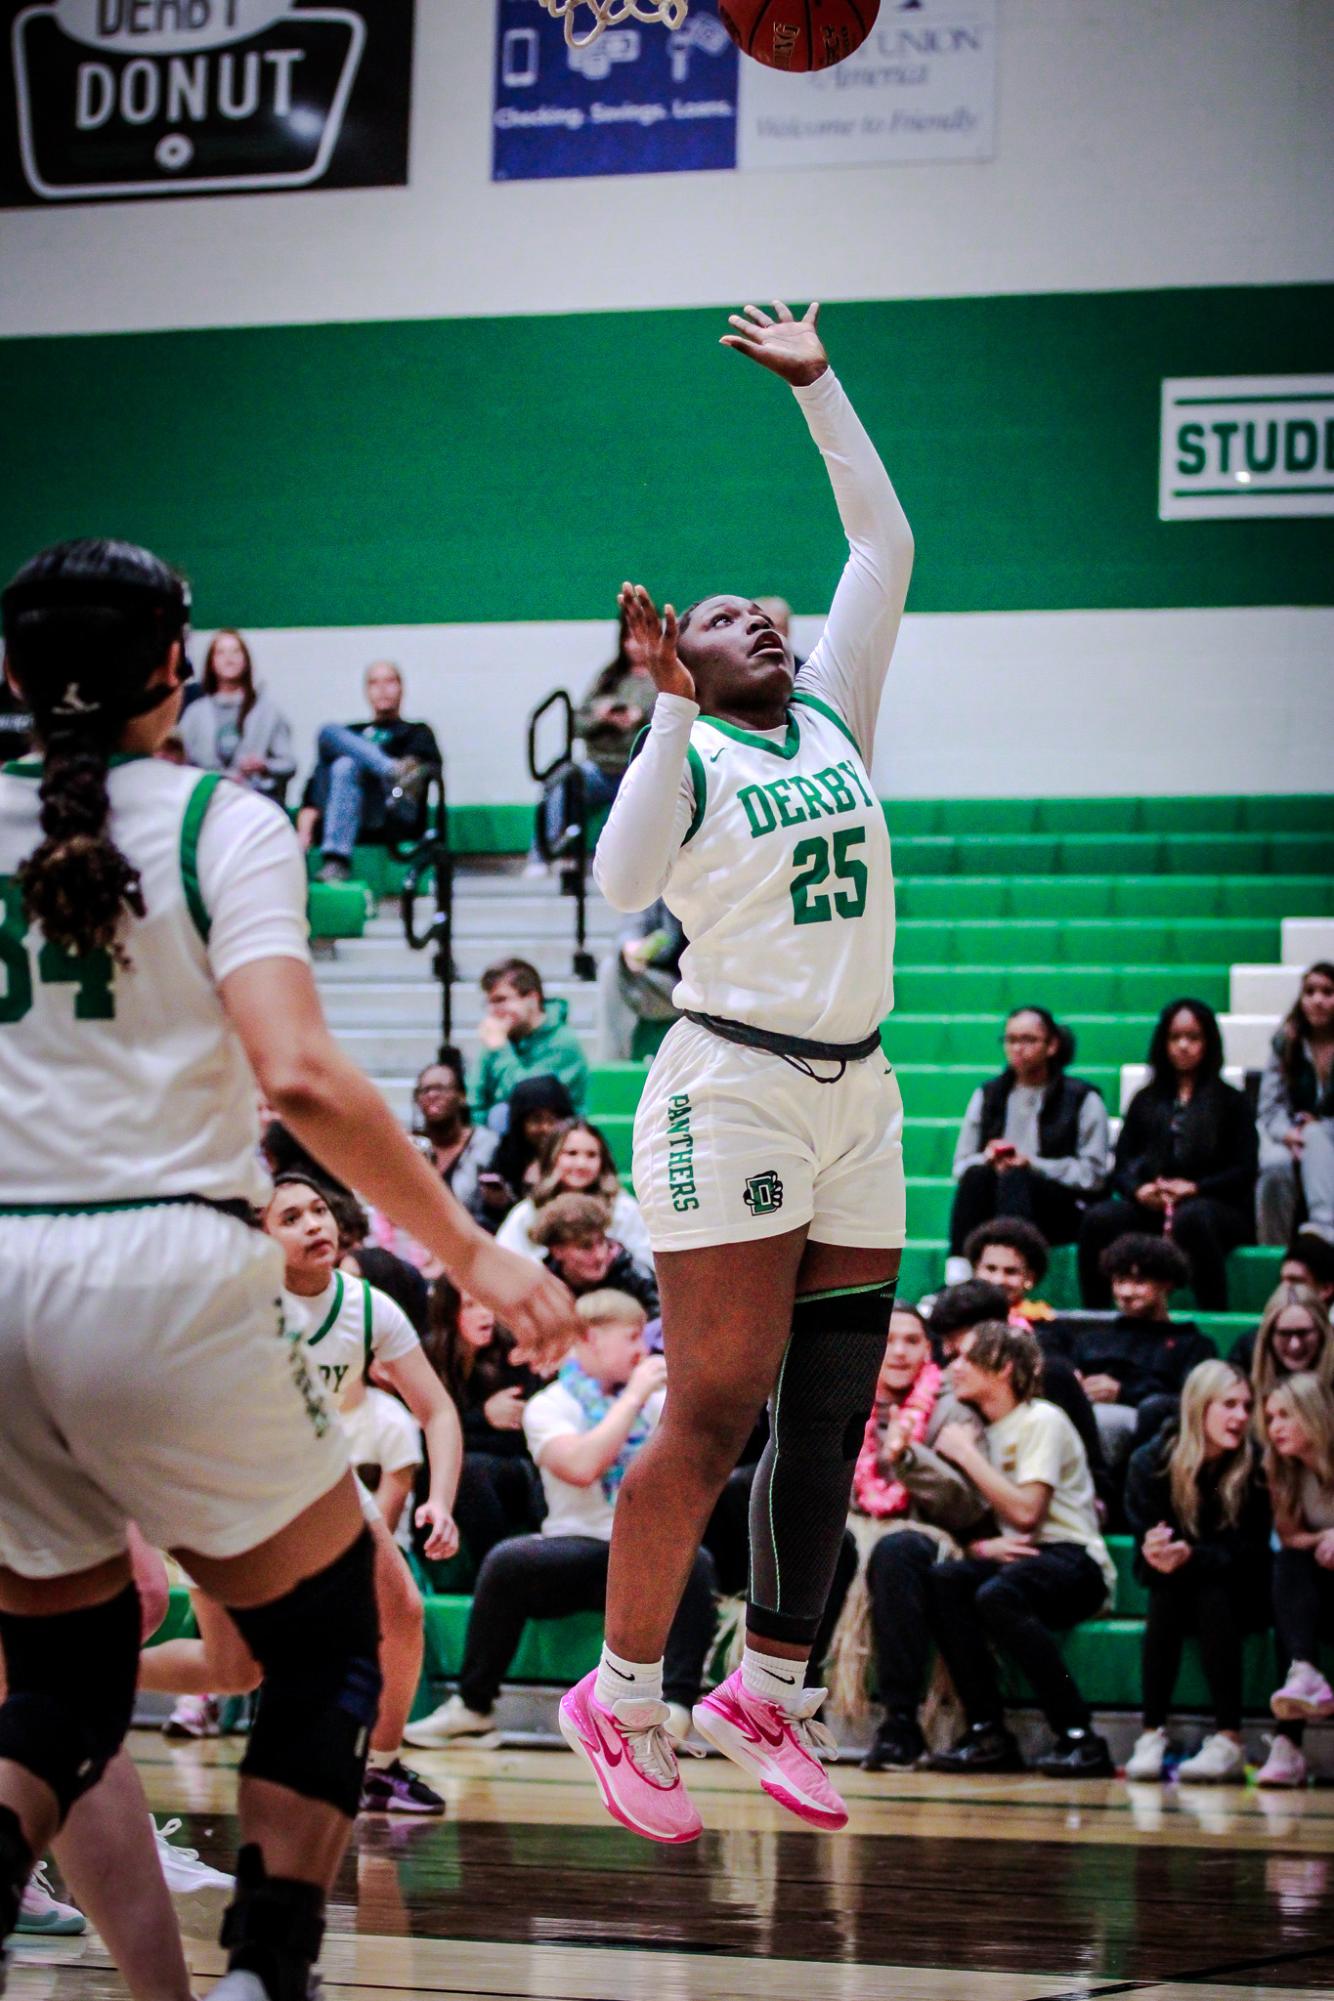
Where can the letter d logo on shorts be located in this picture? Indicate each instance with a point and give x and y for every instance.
(764, 1194)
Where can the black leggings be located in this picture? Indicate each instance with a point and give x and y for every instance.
(1018, 1606)
(1303, 1614)
(1215, 1608)
(497, 1497)
(983, 1194)
(544, 1577)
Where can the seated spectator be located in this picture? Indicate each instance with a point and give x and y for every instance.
(576, 1160)
(463, 1155)
(537, 1107)
(524, 1036)
(1133, 1368)
(607, 722)
(1296, 1116)
(910, 1507)
(1293, 1339)
(370, 776)
(499, 1494)
(585, 1431)
(1034, 1141)
(235, 726)
(1199, 1514)
(636, 981)
(1185, 1161)
(957, 1310)
(1014, 1255)
(1047, 1570)
(1309, 1260)
(572, 1231)
(1299, 1462)
(385, 1438)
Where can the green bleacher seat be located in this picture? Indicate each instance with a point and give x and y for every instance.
(1121, 853)
(974, 1039)
(337, 909)
(1066, 990)
(1080, 942)
(1064, 897)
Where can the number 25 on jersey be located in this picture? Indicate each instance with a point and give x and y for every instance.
(815, 859)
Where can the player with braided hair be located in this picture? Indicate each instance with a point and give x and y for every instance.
(154, 963)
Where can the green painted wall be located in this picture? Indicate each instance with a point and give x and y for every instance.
(477, 469)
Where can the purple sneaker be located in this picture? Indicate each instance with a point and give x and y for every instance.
(395, 1789)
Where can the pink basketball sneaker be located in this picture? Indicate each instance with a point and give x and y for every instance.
(633, 1760)
(779, 1747)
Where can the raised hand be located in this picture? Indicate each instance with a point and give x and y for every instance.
(650, 642)
(790, 347)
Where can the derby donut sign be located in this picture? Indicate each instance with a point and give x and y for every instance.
(110, 100)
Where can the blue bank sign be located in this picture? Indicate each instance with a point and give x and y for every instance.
(638, 100)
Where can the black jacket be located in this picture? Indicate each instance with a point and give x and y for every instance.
(625, 1274)
(1215, 1144)
(1147, 1357)
(1058, 1115)
(1244, 1548)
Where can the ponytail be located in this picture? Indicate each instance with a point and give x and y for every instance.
(88, 626)
(77, 886)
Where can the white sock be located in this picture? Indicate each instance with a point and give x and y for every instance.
(773, 1677)
(627, 1681)
(380, 1761)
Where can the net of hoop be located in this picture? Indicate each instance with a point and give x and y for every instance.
(585, 20)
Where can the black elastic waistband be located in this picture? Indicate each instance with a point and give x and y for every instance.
(787, 1046)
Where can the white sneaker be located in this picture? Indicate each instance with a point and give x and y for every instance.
(1304, 1695)
(679, 1721)
(239, 1986)
(1146, 1760)
(1220, 1760)
(453, 1723)
(1285, 1765)
(43, 1916)
(195, 1716)
(535, 869)
(181, 1867)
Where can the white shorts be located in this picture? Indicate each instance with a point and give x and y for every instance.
(733, 1144)
(145, 1376)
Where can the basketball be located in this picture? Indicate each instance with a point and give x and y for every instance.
(798, 35)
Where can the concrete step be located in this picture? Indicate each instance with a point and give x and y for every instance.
(415, 1004)
(1269, 990)
(1246, 1037)
(1306, 939)
(373, 959)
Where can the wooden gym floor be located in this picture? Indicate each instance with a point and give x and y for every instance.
(1017, 1889)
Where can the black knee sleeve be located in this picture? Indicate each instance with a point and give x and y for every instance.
(319, 1649)
(274, 1929)
(72, 1677)
(817, 1420)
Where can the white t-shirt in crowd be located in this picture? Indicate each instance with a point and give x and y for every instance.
(554, 1413)
(1038, 1442)
(627, 1228)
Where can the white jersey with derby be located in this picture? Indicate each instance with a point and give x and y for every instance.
(128, 1083)
(769, 845)
(347, 1327)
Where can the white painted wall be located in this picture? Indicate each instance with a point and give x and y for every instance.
(996, 704)
(1140, 143)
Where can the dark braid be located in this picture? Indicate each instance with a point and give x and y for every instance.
(78, 885)
(88, 625)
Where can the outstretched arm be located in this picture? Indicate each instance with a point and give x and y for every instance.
(848, 667)
(656, 800)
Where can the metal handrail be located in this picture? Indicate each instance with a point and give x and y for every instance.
(570, 853)
(432, 856)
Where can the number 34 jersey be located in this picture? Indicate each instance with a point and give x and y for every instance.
(126, 1082)
(784, 883)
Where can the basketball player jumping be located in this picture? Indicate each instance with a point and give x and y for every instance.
(153, 964)
(768, 1142)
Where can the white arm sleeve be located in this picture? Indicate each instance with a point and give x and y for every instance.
(652, 812)
(848, 666)
(253, 882)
